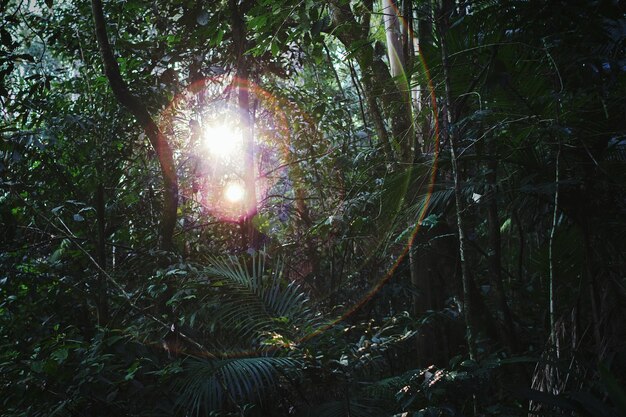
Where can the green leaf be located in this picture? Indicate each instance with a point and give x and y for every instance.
(275, 48)
(257, 22)
(131, 371)
(60, 355)
(218, 39)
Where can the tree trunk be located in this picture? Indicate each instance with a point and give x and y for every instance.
(395, 51)
(157, 138)
(451, 136)
(423, 92)
(495, 242)
(247, 124)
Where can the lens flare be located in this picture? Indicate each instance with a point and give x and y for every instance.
(220, 190)
(234, 193)
(221, 141)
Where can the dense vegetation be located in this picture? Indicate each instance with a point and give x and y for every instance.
(316, 208)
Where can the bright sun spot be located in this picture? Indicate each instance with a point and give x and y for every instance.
(221, 140)
(234, 192)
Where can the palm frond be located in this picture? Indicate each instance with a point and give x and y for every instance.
(212, 384)
(258, 301)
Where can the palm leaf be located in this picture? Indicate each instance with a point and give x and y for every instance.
(211, 384)
(254, 302)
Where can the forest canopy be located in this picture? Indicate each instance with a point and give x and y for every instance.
(312, 208)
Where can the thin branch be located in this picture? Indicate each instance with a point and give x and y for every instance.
(550, 253)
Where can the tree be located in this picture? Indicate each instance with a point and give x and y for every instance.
(157, 138)
(453, 252)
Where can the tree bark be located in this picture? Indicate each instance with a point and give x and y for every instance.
(495, 242)
(155, 135)
(423, 92)
(453, 140)
(395, 51)
(242, 83)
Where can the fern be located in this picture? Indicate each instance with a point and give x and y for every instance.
(250, 306)
(254, 303)
(212, 384)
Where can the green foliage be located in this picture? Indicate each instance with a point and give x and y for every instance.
(328, 319)
(209, 385)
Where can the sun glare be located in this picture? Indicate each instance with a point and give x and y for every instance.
(234, 192)
(221, 140)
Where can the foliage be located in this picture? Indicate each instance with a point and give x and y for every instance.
(340, 292)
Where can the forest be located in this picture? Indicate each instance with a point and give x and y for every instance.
(322, 208)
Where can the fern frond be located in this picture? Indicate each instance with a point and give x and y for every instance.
(257, 301)
(211, 384)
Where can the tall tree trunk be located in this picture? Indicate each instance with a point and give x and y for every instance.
(247, 124)
(395, 51)
(551, 305)
(453, 140)
(249, 165)
(495, 242)
(423, 93)
(377, 118)
(155, 135)
(309, 244)
(398, 65)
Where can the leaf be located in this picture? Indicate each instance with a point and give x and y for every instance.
(261, 222)
(60, 355)
(242, 378)
(275, 48)
(37, 366)
(257, 22)
(218, 38)
(131, 371)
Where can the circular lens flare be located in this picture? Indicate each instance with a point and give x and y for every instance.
(221, 141)
(234, 192)
(225, 197)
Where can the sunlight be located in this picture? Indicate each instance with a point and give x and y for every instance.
(221, 140)
(234, 192)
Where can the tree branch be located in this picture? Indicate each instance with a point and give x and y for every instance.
(138, 109)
